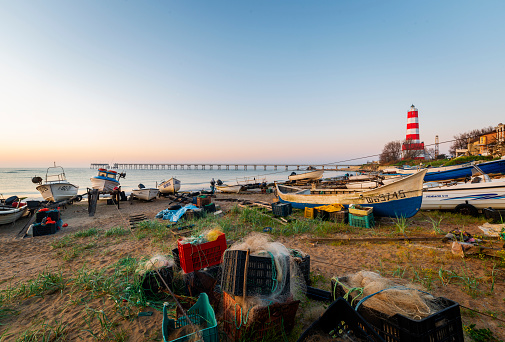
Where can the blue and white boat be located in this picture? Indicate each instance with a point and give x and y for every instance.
(468, 197)
(106, 180)
(170, 186)
(398, 199)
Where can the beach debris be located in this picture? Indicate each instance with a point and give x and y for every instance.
(136, 219)
(494, 230)
(174, 215)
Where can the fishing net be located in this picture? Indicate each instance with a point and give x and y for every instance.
(290, 284)
(387, 297)
(155, 263)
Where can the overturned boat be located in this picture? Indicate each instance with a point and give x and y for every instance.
(401, 198)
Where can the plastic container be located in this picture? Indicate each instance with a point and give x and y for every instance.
(152, 284)
(303, 263)
(281, 209)
(339, 216)
(309, 213)
(340, 320)
(195, 257)
(175, 254)
(210, 208)
(444, 325)
(269, 323)
(40, 229)
(201, 314)
(260, 277)
(497, 216)
(360, 211)
(202, 201)
(318, 294)
(361, 221)
(53, 214)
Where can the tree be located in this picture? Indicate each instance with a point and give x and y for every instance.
(461, 140)
(391, 153)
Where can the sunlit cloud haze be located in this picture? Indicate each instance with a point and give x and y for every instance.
(249, 81)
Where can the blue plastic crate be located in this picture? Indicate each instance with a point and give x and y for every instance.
(361, 221)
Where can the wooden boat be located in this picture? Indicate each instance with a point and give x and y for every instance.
(9, 214)
(312, 175)
(363, 185)
(230, 188)
(56, 187)
(106, 180)
(465, 197)
(170, 186)
(399, 199)
(145, 194)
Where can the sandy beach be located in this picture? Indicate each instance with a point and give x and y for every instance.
(55, 284)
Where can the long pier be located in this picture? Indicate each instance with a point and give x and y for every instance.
(218, 166)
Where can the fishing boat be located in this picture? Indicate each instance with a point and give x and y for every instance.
(230, 188)
(106, 180)
(11, 209)
(444, 173)
(465, 197)
(146, 194)
(312, 175)
(56, 186)
(170, 186)
(401, 198)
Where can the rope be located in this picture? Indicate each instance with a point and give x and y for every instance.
(274, 273)
(348, 292)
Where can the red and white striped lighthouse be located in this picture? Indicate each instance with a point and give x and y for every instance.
(412, 148)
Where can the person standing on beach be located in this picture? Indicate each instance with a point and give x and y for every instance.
(212, 186)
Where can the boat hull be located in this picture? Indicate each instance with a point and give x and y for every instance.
(307, 176)
(9, 214)
(480, 195)
(235, 189)
(103, 185)
(55, 192)
(145, 194)
(170, 186)
(402, 198)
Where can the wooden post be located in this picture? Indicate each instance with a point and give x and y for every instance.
(92, 200)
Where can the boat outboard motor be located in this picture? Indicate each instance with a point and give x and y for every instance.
(219, 182)
(293, 173)
(11, 200)
(36, 180)
(141, 186)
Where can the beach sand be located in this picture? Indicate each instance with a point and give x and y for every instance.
(76, 312)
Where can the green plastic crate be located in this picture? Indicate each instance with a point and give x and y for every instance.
(361, 221)
(200, 313)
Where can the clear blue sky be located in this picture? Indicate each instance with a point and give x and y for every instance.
(237, 81)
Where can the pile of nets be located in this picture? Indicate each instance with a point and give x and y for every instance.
(155, 263)
(387, 297)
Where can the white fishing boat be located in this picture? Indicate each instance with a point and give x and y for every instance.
(11, 210)
(56, 186)
(146, 194)
(399, 199)
(465, 197)
(106, 180)
(170, 186)
(311, 175)
(230, 188)
(363, 185)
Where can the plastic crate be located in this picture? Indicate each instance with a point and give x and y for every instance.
(361, 221)
(43, 213)
(175, 254)
(40, 229)
(201, 314)
(268, 323)
(202, 201)
(339, 216)
(318, 294)
(340, 320)
(309, 213)
(442, 326)
(195, 257)
(494, 215)
(210, 208)
(303, 263)
(281, 209)
(152, 283)
(259, 275)
(360, 211)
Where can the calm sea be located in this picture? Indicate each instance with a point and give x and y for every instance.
(18, 181)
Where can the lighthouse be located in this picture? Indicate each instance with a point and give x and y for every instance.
(412, 147)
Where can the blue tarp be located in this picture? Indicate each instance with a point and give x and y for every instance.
(174, 215)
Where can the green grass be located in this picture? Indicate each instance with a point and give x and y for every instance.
(116, 231)
(87, 233)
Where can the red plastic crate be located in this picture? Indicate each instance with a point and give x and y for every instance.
(195, 257)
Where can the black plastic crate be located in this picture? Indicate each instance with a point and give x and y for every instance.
(175, 254)
(53, 214)
(40, 229)
(303, 263)
(442, 326)
(340, 320)
(259, 275)
(152, 284)
(494, 215)
(210, 208)
(281, 209)
(318, 294)
(339, 216)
